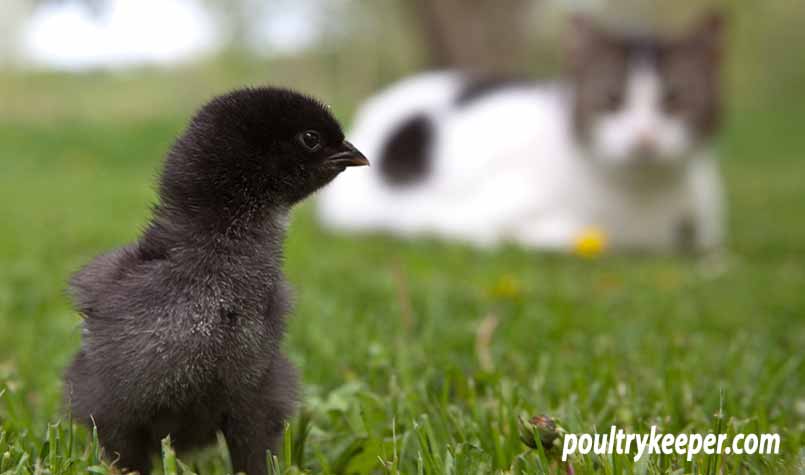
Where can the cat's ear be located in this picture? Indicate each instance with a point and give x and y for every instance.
(582, 38)
(708, 34)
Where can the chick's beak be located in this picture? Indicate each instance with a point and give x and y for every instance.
(346, 155)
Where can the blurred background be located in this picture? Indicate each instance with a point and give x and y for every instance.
(440, 342)
(343, 50)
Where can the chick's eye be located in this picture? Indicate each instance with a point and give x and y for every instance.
(311, 140)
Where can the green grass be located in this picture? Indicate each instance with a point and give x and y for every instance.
(396, 378)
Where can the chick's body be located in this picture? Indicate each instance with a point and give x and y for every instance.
(183, 328)
(195, 339)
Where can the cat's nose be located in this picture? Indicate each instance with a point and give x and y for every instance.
(646, 145)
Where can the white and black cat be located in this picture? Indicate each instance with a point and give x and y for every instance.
(621, 145)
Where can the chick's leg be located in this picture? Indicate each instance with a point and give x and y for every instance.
(128, 450)
(257, 419)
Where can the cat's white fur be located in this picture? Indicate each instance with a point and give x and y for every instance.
(508, 168)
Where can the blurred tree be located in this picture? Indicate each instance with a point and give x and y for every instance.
(476, 34)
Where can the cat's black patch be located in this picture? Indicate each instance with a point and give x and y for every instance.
(405, 156)
(480, 87)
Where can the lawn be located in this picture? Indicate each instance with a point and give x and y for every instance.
(403, 371)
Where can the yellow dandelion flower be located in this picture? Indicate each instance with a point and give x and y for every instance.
(592, 242)
(507, 287)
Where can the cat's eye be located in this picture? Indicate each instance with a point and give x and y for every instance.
(612, 101)
(311, 140)
(672, 99)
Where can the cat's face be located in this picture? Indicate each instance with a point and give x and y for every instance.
(645, 100)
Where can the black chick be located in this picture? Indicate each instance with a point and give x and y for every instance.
(182, 328)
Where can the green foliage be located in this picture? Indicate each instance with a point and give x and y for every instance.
(385, 332)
